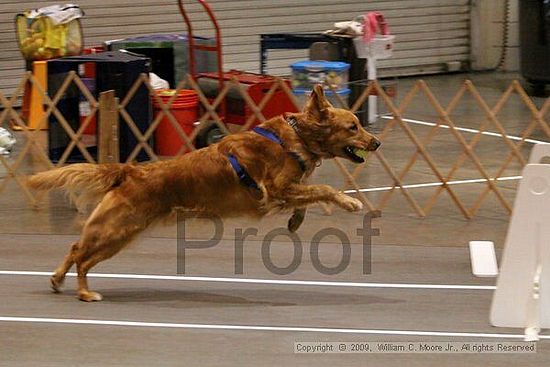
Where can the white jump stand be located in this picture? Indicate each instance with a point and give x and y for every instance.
(380, 47)
(522, 296)
(373, 102)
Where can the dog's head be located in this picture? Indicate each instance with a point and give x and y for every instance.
(333, 132)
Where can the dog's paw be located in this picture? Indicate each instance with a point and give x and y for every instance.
(56, 284)
(296, 220)
(89, 296)
(350, 204)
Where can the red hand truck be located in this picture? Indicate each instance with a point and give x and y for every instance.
(233, 110)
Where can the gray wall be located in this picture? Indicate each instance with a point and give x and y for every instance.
(430, 33)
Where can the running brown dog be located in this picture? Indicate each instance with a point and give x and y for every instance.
(251, 173)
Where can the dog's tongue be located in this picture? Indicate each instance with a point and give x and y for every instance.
(360, 152)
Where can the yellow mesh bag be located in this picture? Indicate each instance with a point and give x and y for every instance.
(50, 32)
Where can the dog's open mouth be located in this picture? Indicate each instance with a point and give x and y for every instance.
(357, 155)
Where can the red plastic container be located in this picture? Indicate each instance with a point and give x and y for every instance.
(256, 85)
(185, 109)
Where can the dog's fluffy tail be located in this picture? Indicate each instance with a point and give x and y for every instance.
(91, 180)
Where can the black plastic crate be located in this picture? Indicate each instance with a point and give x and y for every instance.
(116, 71)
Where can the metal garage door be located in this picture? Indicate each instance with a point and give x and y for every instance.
(429, 32)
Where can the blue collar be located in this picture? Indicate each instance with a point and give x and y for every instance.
(275, 138)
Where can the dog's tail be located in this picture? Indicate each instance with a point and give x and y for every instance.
(91, 180)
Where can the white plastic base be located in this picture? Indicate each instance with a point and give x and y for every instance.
(483, 259)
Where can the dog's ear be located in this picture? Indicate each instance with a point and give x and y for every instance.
(317, 104)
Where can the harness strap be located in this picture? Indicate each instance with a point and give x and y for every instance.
(274, 138)
(244, 177)
(298, 159)
(268, 134)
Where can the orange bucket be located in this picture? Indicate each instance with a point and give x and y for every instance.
(185, 109)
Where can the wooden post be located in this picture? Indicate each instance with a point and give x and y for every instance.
(108, 148)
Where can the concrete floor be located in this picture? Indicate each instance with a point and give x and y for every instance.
(207, 320)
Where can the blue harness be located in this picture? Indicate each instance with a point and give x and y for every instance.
(244, 177)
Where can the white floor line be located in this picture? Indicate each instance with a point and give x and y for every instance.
(261, 281)
(464, 129)
(264, 328)
(434, 184)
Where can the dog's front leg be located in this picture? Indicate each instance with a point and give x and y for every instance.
(299, 196)
(296, 220)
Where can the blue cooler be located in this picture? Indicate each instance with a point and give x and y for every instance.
(303, 94)
(305, 74)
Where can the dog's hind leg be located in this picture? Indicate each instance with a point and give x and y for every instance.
(97, 247)
(112, 226)
(84, 265)
(57, 279)
(105, 246)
